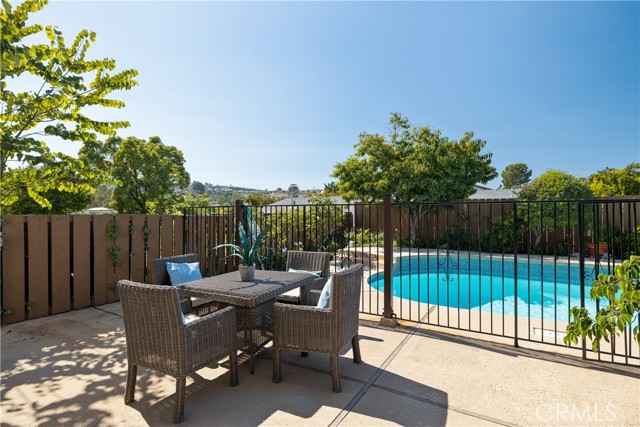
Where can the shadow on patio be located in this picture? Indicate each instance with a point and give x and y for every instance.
(70, 369)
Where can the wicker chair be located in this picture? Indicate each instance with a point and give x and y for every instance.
(308, 261)
(158, 337)
(319, 330)
(158, 275)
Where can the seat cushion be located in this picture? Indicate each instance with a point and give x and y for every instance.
(188, 318)
(183, 272)
(325, 295)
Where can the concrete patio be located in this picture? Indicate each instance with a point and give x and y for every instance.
(70, 370)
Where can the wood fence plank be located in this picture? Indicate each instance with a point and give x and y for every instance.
(81, 261)
(122, 241)
(202, 239)
(166, 239)
(60, 264)
(13, 278)
(137, 248)
(102, 274)
(178, 235)
(153, 240)
(38, 265)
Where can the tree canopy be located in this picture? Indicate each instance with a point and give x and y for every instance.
(552, 186)
(515, 174)
(556, 185)
(56, 106)
(197, 187)
(616, 182)
(147, 173)
(413, 164)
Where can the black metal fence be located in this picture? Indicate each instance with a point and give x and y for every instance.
(510, 269)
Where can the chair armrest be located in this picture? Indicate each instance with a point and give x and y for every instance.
(212, 336)
(307, 291)
(306, 328)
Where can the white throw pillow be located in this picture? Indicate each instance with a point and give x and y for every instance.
(325, 295)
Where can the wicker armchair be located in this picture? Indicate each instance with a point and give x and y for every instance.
(158, 337)
(158, 275)
(308, 261)
(318, 330)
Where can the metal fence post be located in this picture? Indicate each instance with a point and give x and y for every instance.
(515, 273)
(581, 247)
(388, 316)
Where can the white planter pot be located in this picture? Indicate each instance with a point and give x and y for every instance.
(247, 273)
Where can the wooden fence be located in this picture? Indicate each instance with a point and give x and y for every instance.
(56, 263)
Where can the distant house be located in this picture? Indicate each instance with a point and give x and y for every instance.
(483, 193)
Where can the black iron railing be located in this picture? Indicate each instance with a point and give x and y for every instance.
(505, 268)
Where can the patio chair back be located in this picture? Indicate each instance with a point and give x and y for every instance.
(309, 261)
(345, 304)
(152, 320)
(160, 337)
(158, 274)
(308, 328)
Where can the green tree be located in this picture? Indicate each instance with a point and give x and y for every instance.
(60, 202)
(331, 188)
(621, 293)
(102, 198)
(616, 182)
(147, 173)
(548, 195)
(259, 199)
(413, 164)
(515, 174)
(189, 200)
(197, 187)
(56, 108)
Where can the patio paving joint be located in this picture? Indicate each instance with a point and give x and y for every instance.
(347, 409)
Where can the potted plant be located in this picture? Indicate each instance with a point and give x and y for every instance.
(247, 251)
(601, 244)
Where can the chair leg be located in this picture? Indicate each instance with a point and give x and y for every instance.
(335, 373)
(355, 345)
(277, 359)
(178, 412)
(304, 353)
(132, 371)
(233, 368)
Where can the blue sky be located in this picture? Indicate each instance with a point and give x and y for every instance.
(268, 94)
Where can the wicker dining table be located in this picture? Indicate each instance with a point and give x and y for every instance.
(253, 301)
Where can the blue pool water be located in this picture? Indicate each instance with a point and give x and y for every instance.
(545, 291)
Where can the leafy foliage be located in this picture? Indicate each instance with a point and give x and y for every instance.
(515, 174)
(259, 199)
(147, 173)
(413, 165)
(189, 200)
(249, 246)
(548, 195)
(56, 107)
(58, 202)
(197, 187)
(622, 292)
(331, 188)
(616, 182)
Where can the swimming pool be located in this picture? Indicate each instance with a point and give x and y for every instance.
(545, 290)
